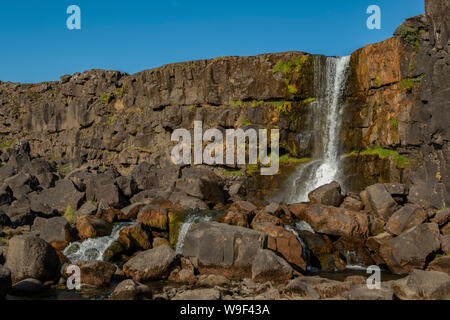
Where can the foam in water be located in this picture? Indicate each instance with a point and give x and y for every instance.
(93, 249)
(325, 168)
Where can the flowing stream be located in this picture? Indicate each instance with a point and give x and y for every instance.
(193, 218)
(329, 82)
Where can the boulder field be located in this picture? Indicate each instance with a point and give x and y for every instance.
(91, 152)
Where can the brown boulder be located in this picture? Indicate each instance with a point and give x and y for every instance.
(328, 195)
(95, 273)
(154, 217)
(267, 266)
(92, 227)
(377, 199)
(131, 290)
(404, 219)
(441, 263)
(136, 237)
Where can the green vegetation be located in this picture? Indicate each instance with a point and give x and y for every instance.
(245, 122)
(52, 157)
(377, 82)
(410, 83)
(309, 100)
(111, 120)
(92, 202)
(6, 144)
(394, 123)
(63, 171)
(286, 159)
(288, 69)
(119, 92)
(106, 98)
(409, 35)
(69, 214)
(231, 172)
(400, 160)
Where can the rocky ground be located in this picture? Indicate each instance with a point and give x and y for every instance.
(249, 250)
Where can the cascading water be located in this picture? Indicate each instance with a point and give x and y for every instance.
(330, 80)
(193, 218)
(93, 249)
(303, 226)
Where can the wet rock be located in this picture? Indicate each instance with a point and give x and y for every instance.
(154, 217)
(379, 200)
(5, 281)
(27, 287)
(223, 249)
(328, 195)
(31, 257)
(153, 264)
(268, 266)
(136, 237)
(283, 242)
(337, 221)
(96, 273)
(407, 217)
(92, 227)
(131, 290)
(362, 292)
(57, 231)
(114, 252)
(441, 263)
(410, 250)
(199, 294)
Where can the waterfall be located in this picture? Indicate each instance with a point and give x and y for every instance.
(93, 249)
(301, 226)
(184, 229)
(329, 82)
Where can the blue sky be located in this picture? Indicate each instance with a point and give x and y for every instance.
(135, 35)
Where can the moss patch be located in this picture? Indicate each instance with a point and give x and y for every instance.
(69, 214)
(400, 161)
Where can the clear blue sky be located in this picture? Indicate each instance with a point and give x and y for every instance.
(134, 35)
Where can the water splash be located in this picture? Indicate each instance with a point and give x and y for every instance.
(93, 249)
(330, 80)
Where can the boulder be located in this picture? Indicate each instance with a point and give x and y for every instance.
(201, 183)
(127, 185)
(317, 288)
(154, 217)
(267, 266)
(407, 217)
(441, 263)
(21, 184)
(153, 264)
(283, 242)
(5, 221)
(89, 208)
(410, 250)
(237, 218)
(377, 199)
(188, 202)
(57, 231)
(109, 215)
(263, 217)
(130, 212)
(92, 227)
(328, 195)
(362, 292)
(337, 221)
(352, 204)
(96, 273)
(212, 280)
(198, 295)
(27, 287)
(423, 285)
(31, 257)
(445, 243)
(43, 171)
(223, 249)
(273, 209)
(5, 281)
(136, 237)
(131, 290)
(442, 217)
(103, 187)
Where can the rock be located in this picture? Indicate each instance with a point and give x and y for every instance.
(109, 215)
(21, 184)
(441, 263)
(407, 217)
(202, 184)
(199, 294)
(188, 202)
(397, 189)
(236, 218)
(182, 276)
(96, 273)
(212, 280)
(362, 292)
(337, 221)
(267, 266)
(43, 171)
(153, 264)
(31, 257)
(375, 243)
(64, 194)
(298, 210)
(352, 204)
(410, 250)
(273, 209)
(283, 242)
(27, 287)
(157, 241)
(316, 287)
(136, 237)
(263, 217)
(5, 281)
(127, 185)
(244, 206)
(131, 290)
(87, 209)
(103, 187)
(92, 227)
(58, 232)
(442, 217)
(423, 285)
(114, 252)
(223, 249)
(130, 212)
(154, 217)
(379, 200)
(445, 243)
(6, 196)
(328, 195)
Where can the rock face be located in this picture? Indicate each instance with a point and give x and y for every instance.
(31, 257)
(223, 249)
(153, 264)
(410, 250)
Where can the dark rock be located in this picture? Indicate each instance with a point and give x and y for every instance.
(202, 184)
(103, 187)
(267, 266)
(27, 287)
(153, 264)
(441, 263)
(96, 273)
(5, 281)
(423, 285)
(31, 257)
(442, 217)
(199, 295)
(130, 212)
(445, 243)
(127, 185)
(329, 195)
(379, 200)
(42, 171)
(407, 217)
(5, 221)
(131, 290)
(58, 232)
(87, 209)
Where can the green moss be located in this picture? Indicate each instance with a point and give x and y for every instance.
(106, 98)
(400, 161)
(394, 123)
(409, 84)
(309, 100)
(409, 35)
(64, 171)
(69, 214)
(377, 82)
(111, 120)
(6, 144)
(175, 221)
(245, 122)
(229, 172)
(286, 159)
(120, 92)
(296, 74)
(283, 67)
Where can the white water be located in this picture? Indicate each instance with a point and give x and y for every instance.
(93, 249)
(325, 168)
(194, 218)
